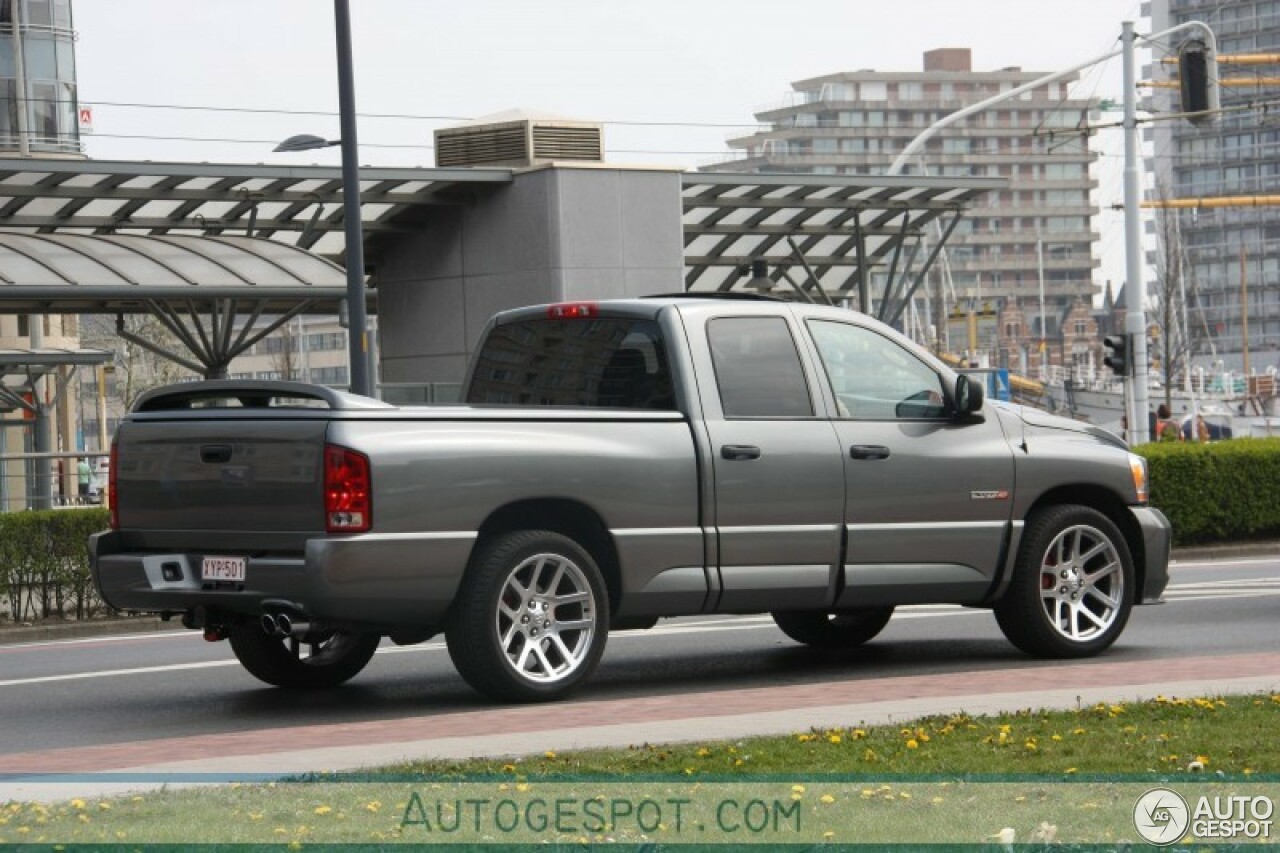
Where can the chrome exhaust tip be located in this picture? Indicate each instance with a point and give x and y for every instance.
(271, 625)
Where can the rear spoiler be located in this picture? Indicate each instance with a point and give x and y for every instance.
(251, 394)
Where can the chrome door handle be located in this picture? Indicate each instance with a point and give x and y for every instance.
(868, 451)
(740, 451)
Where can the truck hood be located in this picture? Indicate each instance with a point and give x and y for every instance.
(1037, 419)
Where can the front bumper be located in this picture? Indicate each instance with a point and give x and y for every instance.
(1157, 537)
(374, 580)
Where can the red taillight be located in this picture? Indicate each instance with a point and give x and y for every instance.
(573, 311)
(348, 504)
(110, 498)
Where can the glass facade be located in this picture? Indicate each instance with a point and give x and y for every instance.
(1232, 252)
(38, 99)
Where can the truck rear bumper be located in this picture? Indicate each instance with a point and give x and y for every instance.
(1157, 536)
(374, 580)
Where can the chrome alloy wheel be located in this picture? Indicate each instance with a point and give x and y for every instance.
(1081, 583)
(546, 618)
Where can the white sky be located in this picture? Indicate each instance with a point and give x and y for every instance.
(694, 61)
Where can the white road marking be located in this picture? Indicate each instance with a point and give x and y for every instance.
(1210, 564)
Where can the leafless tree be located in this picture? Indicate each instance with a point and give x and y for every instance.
(285, 359)
(136, 369)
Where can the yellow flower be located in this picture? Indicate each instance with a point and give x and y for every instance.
(859, 734)
(1055, 737)
(1070, 770)
(826, 799)
(508, 768)
(549, 754)
(737, 762)
(703, 752)
(798, 789)
(1203, 759)
(936, 800)
(1077, 731)
(834, 738)
(322, 810)
(106, 807)
(77, 804)
(1020, 799)
(522, 786)
(912, 744)
(372, 806)
(828, 834)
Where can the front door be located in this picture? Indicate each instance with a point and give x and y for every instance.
(928, 497)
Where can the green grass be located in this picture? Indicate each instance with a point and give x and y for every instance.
(953, 779)
(1232, 734)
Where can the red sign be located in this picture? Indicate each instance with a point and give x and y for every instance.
(86, 118)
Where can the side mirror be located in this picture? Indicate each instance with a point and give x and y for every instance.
(967, 394)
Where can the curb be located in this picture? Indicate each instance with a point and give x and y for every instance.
(1263, 548)
(76, 630)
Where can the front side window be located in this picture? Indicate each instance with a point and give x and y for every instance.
(874, 378)
(611, 363)
(757, 368)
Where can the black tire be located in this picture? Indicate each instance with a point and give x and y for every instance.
(333, 656)
(532, 665)
(1045, 577)
(846, 630)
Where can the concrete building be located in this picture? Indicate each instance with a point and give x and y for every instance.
(1238, 155)
(855, 123)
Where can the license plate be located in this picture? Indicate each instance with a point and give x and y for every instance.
(223, 569)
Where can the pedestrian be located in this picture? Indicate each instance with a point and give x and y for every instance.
(1166, 429)
(84, 474)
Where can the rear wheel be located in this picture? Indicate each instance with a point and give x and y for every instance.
(846, 630)
(532, 617)
(1072, 587)
(313, 660)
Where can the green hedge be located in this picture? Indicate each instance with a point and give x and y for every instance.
(1218, 491)
(44, 563)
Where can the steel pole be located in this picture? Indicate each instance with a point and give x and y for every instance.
(358, 333)
(1135, 319)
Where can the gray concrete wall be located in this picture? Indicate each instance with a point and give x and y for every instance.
(555, 234)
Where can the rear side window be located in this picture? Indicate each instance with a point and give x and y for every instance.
(601, 363)
(757, 368)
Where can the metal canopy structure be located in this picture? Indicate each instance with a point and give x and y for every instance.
(235, 243)
(174, 278)
(298, 205)
(824, 237)
(19, 370)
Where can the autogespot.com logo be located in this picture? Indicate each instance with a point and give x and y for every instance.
(1161, 816)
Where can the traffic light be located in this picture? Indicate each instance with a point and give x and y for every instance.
(1198, 80)
(1118, 360)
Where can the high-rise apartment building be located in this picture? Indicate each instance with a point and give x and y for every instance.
(1232, 253)
(856, 123)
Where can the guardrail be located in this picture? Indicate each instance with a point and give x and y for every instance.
(21, 475)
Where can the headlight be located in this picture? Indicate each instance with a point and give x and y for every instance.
(1138, 467)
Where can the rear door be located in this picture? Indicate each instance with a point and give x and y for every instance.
(779, 488)
(928, 497)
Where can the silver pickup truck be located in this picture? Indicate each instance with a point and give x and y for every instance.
(615, 463)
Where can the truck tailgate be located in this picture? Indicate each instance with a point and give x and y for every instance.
(221, 474)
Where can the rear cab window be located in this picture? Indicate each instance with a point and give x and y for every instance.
(601, 362)
(758, 368)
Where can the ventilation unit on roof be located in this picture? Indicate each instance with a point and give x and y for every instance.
(519, 141)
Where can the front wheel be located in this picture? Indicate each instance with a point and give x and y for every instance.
(316, 659)
(846, 630)
(1072, 586)
(531, 619)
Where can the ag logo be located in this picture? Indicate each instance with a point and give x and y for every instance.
(1161, 816)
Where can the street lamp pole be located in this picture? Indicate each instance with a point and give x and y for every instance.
(357, 333)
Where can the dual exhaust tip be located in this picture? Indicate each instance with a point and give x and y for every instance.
(284, 625)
